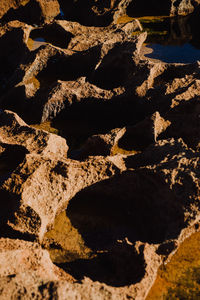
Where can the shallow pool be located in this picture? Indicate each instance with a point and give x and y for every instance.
(173, 40)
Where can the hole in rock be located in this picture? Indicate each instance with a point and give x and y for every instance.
(119, 266)
(134, 206)
(93, 116)
(173, 40)
(52, 34)
(137, 205)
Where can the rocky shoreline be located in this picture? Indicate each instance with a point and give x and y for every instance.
(99, 150)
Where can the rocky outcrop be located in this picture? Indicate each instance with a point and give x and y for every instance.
(45, 180)
(14, 131)
(85, 57)
(114, 197)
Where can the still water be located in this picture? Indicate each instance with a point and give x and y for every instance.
(173, 40)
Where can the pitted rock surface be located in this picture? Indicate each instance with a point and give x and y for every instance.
(99, 150)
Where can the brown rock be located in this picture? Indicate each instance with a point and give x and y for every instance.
(15, 131)
(45, 180)
(90, 54)
(27, 271)
(29, 11)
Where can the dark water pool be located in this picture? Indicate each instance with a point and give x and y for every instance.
(173, 40)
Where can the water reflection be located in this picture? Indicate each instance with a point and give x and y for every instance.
(175, 54)
(175, 40)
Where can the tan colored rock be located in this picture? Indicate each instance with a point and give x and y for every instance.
(47, 187)
(66, 93)
(5, 6)
(18, 256)
(87, 37)
(26, 269)
(45, 181)
(52, 74)
(14, 131)
(29, 11)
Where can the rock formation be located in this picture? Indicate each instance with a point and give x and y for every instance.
(111, 196)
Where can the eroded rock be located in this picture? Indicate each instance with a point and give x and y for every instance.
(29, 11)
(125, 214)
(14, 131)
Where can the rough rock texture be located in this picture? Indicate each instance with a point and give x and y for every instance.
(112, 199)
(88, 54)
(14, 131)
(47, 172)
(29, 11)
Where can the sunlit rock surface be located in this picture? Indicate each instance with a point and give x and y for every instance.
(99, 150)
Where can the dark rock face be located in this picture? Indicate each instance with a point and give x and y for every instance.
(29, 11)
(89, 13)
(168, 8)
(113, 198)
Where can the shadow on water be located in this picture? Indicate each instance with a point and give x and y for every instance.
(173, 40)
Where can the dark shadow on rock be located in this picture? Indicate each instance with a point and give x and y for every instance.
(119, 266)
(53, 34)
(137, 137)
(63, 67)
(135, 205)
(12, 51)
(185, 123)
(116, 67)
(29, 14)
(9, 204)
(94, 116)
(140, 8)
(10, 159)
(138, 205)
(15, 100)
(59, 67)
(87, 13)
